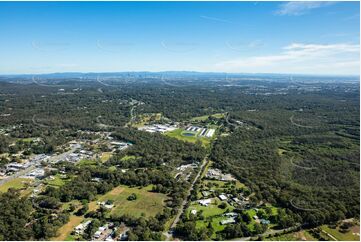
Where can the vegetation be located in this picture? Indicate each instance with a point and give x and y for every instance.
(294, 149)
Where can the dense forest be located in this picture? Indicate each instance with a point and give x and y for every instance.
(295, 145)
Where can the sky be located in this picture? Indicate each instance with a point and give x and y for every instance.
(237, 37)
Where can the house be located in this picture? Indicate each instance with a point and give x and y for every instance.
(97, 234)
(205, 202)
(194, 212)
(100, 231)
(228, 221)
(255, 217)
(231, 214)
(81, 227)
(223, 197)
(205, 193)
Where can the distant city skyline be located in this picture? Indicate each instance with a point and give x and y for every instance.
(316, 38)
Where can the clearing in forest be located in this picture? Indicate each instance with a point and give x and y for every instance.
(147, 202)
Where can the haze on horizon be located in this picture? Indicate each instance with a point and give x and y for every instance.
(238, 37)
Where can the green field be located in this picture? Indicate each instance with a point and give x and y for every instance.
(348, 236)
(17, 183)
(216, 224)
(221, 184)
(205, 117)
(64, 233)
(212, 214)
(211, 210)
(179, 134)
(128, 157)
(87, 162)
(147, 203)
(105, 156)
(293, 236)
(57, 181)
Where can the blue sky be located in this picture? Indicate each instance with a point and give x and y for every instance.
(253, 37)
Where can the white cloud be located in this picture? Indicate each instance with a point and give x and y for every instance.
(300, 8)
(340, 58)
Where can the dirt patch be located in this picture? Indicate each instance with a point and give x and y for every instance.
(66, 229)
(116, 191)
(356, 229)
(301, 236)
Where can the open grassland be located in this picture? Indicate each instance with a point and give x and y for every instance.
(17, 183)
(211, 210)
(179, 134)
(65, 231)
(146, 118)
(347, 236)
(147, 203)
(302, 235)
(57, 181)
(212, 213)
(216, 224)
(216, 184)
(205, 117)
(86, 162)
(105, 156)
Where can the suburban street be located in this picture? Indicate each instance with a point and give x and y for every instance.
(183, 206)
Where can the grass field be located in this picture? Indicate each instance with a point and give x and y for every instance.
(222, 184)
(86, 162)
(105, 156)
(17, 183)
(215, 224)
(145, 118)
(147, 203)
(212, 214)
(302, 235)
(65, 231)
(280, 151)
(205, 117)
(128, 157)
(348, 236)
(57, 181)
(179, 134)
(211, 210)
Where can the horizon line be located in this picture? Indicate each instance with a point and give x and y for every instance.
(187, 71)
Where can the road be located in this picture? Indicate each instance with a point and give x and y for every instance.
(62, 155)
(299, 125)
(183, 206)
(32, 167)
(17, 174)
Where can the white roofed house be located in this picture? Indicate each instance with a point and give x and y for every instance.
(81, 227)
(223, 197)
(205, 202)
(230, 220)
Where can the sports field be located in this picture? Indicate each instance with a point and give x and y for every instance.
(180, 134)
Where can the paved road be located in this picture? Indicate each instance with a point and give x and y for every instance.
(32, 167)
(62, 155)
(17, 174)
(183, 206)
